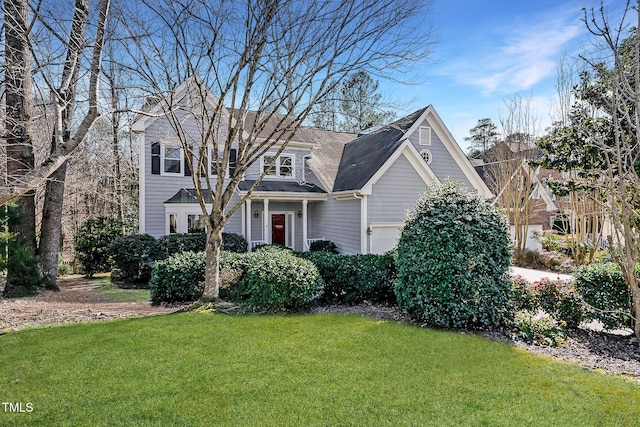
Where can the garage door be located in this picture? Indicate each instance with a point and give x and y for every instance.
(384, 236)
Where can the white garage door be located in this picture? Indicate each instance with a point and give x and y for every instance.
(384, 236)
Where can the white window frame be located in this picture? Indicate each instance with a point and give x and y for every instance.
(210, 163)
(430, 156)
(275, 171)
(163, 147)
(424, 136)
(181, 212)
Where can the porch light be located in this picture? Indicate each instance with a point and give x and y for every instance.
(299, 214)
(256, 214)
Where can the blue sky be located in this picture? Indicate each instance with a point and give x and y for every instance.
(487, 51)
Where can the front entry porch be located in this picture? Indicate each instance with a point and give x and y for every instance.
(280, 212)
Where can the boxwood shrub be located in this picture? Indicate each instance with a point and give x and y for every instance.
(353, 279)
(178, 278)
(133, 258)
(182, 242)
(453, 255)
(275, 279)
(323, 246)
(92, 242)
(602, 287)
(171, 244)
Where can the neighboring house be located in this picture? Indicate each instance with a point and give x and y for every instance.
(354, 191)
(547, 212)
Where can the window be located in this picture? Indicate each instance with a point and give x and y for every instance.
(286, 166)
(283, 166)
(426, 156)
(173, 223)
(424, 135)
(266, 161)
(212, 163)
(195, 224)
(172, 160)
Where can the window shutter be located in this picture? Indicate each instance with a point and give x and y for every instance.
(155, 158)
(187, 163)
(232, 161)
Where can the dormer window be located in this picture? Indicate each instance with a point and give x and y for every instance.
(425, 135)
(282, 167)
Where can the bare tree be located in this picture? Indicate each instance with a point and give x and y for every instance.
(275, 57)
(63, 90)
(18, 122)
(508, 171)
(66, 143)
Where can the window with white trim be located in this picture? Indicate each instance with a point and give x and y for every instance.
(424, 135)
(426, 156)
(283, 166)
(172, 160)
(195, 223)
(212, 163)
(173, 223)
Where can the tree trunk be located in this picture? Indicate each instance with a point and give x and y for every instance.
(212, 269)
(51, 229)
(18, 111)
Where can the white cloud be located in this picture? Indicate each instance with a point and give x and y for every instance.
(524, 57)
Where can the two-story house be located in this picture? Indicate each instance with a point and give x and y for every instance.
(354, 191)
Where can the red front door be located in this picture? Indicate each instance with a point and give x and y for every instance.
(277, 229)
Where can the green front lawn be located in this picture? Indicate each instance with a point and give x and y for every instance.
(111, 293)
(213, 369)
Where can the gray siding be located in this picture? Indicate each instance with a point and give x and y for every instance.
(254, 171)
(159, 189)
(338, 221)
(274, 206)
(395, 192)
(443, 164)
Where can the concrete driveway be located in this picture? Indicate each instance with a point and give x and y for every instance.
(536, 275)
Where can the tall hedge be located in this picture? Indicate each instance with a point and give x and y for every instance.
(453, 255)
(92, 242)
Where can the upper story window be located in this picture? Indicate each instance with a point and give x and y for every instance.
(424, 135)
(212, 163)
(282, 167)
(172, 160)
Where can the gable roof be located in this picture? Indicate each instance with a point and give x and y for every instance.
(362, 158)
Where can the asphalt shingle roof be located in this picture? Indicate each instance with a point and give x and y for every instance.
(280, 186)
(363, 157)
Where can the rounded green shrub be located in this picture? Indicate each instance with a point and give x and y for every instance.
(323, 246)
(171, 244)
(275, 279)
(452, 260)
(133, 258)
(195, 242)
(178, 278)
(92, 242)
(233, 242)
(353, 279)
(602, 287)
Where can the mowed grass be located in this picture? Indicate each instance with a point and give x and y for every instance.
(326, 370)
(103, 286)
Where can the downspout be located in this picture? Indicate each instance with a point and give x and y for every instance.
(363, 222)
